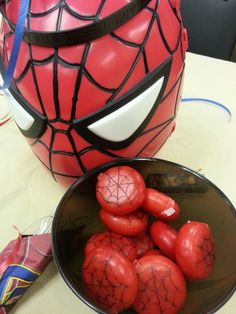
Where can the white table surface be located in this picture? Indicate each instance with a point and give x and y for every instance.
(204, 140)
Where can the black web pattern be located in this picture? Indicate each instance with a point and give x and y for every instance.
(62, 6)
(116, 241)
(105, 286)
(158, 290)
(208, 252)
(117, 188)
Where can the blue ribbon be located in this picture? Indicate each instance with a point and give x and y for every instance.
(213, 102)
(19, 32)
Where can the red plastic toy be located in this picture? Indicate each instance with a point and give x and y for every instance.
(195, 251)
(130, 225)
(120, 190)
(115, 241)
(110, 279)
(162, 287)
(143, 243)
(160, 205)
(95, 80)
(165, 237)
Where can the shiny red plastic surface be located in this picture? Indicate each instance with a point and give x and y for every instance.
(165, 237)
(153, 253)
(110, 279)
(162, 287)
(195, 252)
(115, 241)
(120, 190)
(160, 205)
(130, 225)
(143, 243)
(69, 83)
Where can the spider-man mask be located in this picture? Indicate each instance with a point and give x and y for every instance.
(95, 80)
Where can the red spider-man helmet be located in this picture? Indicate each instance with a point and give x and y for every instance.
(95, 80)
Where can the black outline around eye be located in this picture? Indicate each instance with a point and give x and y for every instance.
(40, 121)
(81, 125)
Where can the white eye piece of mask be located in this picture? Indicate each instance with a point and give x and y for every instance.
(23, 119)
(128, 118)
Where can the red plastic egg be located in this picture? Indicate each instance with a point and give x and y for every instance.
(110, 279)
(143, 243)
(195, 251)
(160, 205)
(165, 237)
(120, 190)
(110, 239)
(130, 225)
(161, 286)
